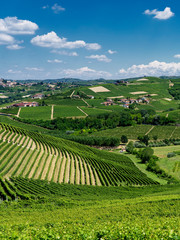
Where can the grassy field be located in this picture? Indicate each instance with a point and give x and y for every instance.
(170, 165)
(67, 111)
(36, 113)
(95, 213)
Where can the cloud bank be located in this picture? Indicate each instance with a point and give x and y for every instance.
(154, 68)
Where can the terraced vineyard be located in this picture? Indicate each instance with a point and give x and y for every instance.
(31, 155)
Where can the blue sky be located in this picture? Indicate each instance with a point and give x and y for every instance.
(89, 39)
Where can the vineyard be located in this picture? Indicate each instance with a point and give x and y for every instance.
(31, 155)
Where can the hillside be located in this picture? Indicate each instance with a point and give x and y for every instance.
(32, 155)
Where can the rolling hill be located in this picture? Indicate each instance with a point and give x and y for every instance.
(31, 155)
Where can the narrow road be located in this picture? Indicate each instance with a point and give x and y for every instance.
(86, 102)
(72, 94)
(52, 112)
(82, 111)
(149, 130)
(18, 112)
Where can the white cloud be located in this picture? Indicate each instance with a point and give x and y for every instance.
(33, 69)
(154, 68)
(6, 39)
(14, 26)
(100, 58)
(177, 56)
(162, 15)
(14, 71)
(54, 61)
(51, 40)
(85, 73)
(65, 53)
(111, 52)
(14, 47)
(57, 8)
(45, 7)
(93, 46)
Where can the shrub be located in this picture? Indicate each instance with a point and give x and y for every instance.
(171, 154)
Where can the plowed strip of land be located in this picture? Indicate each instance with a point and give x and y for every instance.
(46, 167)
(72, 171)
(40, 169)
(22, 166)
(58, 164)
(10, 159)
(35, 164)
(86, 173)
(92, 176)
(77, 172)
(98, 182)
(82, 173)
(62, 170)
(67, 173)
(30, 163)
(15, 165)
(51, 170)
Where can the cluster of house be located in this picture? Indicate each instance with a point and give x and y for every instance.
(25, 104)
(6, 83)
(126, 101)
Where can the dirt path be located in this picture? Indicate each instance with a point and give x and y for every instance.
(82, 111)
(52, 112)
(19, 110)
(149, 130)
(72, 94)
(173, 132)
(86, 102)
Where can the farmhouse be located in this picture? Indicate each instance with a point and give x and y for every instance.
(38, 96)
(25, 104)
(90, 96)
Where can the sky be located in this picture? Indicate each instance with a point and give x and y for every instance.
(89, 39)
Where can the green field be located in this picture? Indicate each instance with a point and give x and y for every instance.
(36, 113)
(132, 132)
(169, 165)
(81, 212)
(67, 111)
(94, 111)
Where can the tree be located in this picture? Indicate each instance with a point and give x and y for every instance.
(155, 137)
(124, 139)
(130, 147)
(144, 139)
(146, 154)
